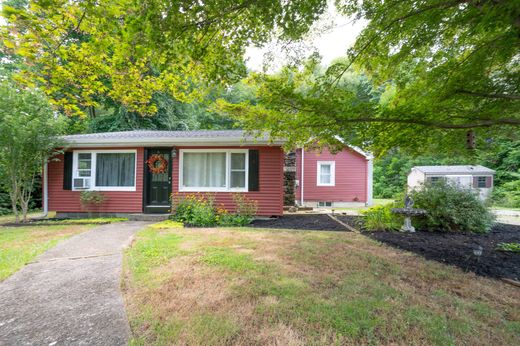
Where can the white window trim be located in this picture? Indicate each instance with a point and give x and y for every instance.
(92, 178)
(228, 153)
(332, 173)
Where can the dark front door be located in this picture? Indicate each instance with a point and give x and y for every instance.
(157, 180)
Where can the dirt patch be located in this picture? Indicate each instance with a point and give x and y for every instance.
(457, 249)
(314, 222)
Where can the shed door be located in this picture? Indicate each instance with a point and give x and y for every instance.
(157, 180)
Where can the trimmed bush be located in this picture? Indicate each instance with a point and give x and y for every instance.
(380, 218)
(451, 209)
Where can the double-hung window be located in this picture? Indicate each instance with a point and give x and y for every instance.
(326, 173)
(481, 182)
(104, 170)
(213, 170)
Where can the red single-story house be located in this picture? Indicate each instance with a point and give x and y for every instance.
(342, 179)
(137, 171)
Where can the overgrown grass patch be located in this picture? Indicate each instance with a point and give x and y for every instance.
(250, 286)
(21, 245)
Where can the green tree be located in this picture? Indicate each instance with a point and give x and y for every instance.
(28, 130)
(128, 50)
(446, 68)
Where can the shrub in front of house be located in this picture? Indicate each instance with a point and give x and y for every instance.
(194, 210)
(199, 210)
(451, 209)
(381, 218)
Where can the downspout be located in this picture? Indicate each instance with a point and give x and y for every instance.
(45, 199)
(370, 179)
(301, 178)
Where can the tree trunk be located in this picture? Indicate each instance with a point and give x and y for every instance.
(25, 197)
(14, 206)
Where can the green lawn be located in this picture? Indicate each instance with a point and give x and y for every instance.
(20, 245)
(256, 287)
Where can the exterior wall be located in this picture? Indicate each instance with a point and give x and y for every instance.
(351, 178)
(415, 179)
(270, 194)
(116, 201)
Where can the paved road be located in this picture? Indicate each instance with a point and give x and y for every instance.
(70, 295)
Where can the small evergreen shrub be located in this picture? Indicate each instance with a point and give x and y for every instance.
(381, 218)
(451, 209)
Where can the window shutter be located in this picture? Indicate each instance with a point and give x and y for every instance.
(67, 170)
(489, 181)
(475, 182)
(254, 170)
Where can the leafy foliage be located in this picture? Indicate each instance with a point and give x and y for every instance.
(509, 247)
(88, 198)
(451, 209)
(199, 210)
(381, 218)
(434, 70)
(28, 129)
(82, 52)
(195, 210)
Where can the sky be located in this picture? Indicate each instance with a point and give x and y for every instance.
(331, 36)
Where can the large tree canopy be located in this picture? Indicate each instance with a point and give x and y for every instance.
(127, 50)
(444, 67)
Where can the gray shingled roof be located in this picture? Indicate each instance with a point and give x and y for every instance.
(462, 169)
(148, 137)
(159, 134)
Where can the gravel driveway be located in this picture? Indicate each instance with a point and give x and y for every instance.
(70, 295)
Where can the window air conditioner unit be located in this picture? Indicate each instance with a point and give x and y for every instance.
(81, 183)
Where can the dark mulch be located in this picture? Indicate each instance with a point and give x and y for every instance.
(457, 249)
(352, 220)
(315, 222)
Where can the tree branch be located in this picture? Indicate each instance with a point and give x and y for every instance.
(491, 96)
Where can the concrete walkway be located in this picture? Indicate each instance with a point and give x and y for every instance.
(70, 295)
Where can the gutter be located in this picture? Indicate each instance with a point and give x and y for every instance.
(370, 181)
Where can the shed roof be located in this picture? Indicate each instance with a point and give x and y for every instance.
(149, 137)
(461, 169)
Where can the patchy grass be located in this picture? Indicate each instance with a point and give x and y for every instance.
(20, 245)
(255, 287)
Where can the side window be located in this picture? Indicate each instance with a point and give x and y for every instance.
(326, 173)
(481, 182)
(84, 165)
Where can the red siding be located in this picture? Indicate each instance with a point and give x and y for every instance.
(269, 197)
(350, 182)
(116, 201)
(270, 194)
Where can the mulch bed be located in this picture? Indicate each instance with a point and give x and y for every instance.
(457, 249)
(314, 222)
(51, 222)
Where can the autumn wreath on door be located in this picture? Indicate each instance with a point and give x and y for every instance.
(157, 164)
